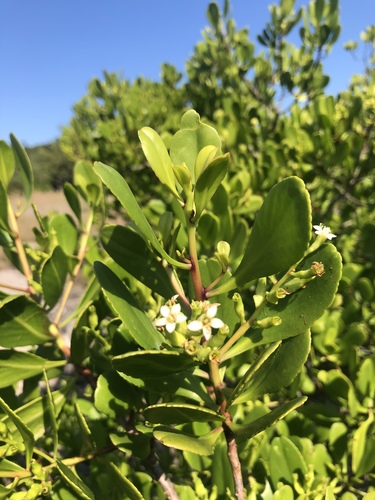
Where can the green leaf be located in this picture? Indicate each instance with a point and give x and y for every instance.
(213, 15)
(34, 414)
(121, 190)
(24, 431)
(137, 445)
(151, 364)
(62, 225)
(300, 309)
(208, 182)
(124, 304)
(87, 183)
(157, 155)
(4, 202)
(7, 164)
(244, 432)
(121, 485)
(26, 171)
(278, 370)
(202, 445)
(72, 197)
(280, 235)
(15, 365)
(179, 413)
(114, 395)
(285, 461)
(74, 482)
(22, 322)
(363, 447)
(53, 276)
(191, 139)
(52, 414)
(128, 249)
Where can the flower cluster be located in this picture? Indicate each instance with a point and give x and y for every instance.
(204, 314)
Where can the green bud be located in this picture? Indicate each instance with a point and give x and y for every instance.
(261, 287)
(93, 317)
(37, 470)
(183, 176)
(175, 338)
(216, 341)
(296, 283)
(268, 322)
(3, 430)
(316, 269)
(222, 255)
(203, 354)
(214, 355)
(34, 492)
(191, 347)
(239, 307)
(165, 227)
(276, 295)
(18, 495)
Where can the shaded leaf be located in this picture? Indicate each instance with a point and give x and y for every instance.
(26, 171)
(128, 310)
(74, 482)
(72, 197)
(7, 164)
(202, 445)
(180, 413)
(53, 276)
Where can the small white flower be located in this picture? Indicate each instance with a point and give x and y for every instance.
(324, 231)
(171, 315)
(206, 321)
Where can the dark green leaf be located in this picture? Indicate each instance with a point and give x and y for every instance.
(128, 249)
(74, 482)
(151, 364)
(202, 445)
(71, 194)
(22, 322)
(53, 276)
(179, 413)
(137, 445)
(128, 310)
(244, 432)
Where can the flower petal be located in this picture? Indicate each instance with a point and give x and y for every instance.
(195, 326)
(216, 323)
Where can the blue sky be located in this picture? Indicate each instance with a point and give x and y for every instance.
(51, 49)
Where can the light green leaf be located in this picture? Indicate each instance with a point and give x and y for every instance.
(202, 445)
(87, 183)
(4, 202)
(22, 322)
(191, 139)
(280, 235)
(125, 305)
(24, 431)
(52, 414)
(17, 365)
(208, 182)
(74, 482)
(128, 249)
(62, 225)
(363, 450)
(53, 276)
(157, 155)
(151, 364)
(120, 189)
(204, 158)
(26, 171)
(122, 483)
(244, 432)
(285, 460)
(180, 413)
(7, 164)
(114, 395)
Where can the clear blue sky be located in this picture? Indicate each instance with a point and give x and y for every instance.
(51, 49)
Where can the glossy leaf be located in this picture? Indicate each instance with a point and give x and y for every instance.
(300, 309)
(22, 322)
(13, 363)
(157, 155)
(120, 189)
(128, 310)
(74, 482)
(24, 431)
(151, 364)
(202, 445)
(26, 171)
(192, 137)
(62, 225)
(114, 395)
(244, 432)
(53, 276)
(128, 249)
(278, 370)
(280, 235)
(34, 414)
(7, 164)
(137, 445)
(208, 182)
(180, 413)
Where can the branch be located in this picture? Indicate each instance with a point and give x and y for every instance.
(234, 462)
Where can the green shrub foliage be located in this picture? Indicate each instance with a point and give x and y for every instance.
(223, 346)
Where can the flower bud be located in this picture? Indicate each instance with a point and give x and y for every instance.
(37, 470)
(276, 295)
(316, 269)
(203, 353)
(239, 307)
(222, 255)
(268, 322)
(217, 340)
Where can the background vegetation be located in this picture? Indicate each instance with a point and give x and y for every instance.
(274, 116)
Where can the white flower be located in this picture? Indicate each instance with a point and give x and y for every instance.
(171, 315)
(324, 231)
(206, 321)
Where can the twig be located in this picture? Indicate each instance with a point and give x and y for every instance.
(165, 483)
(234, 462)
